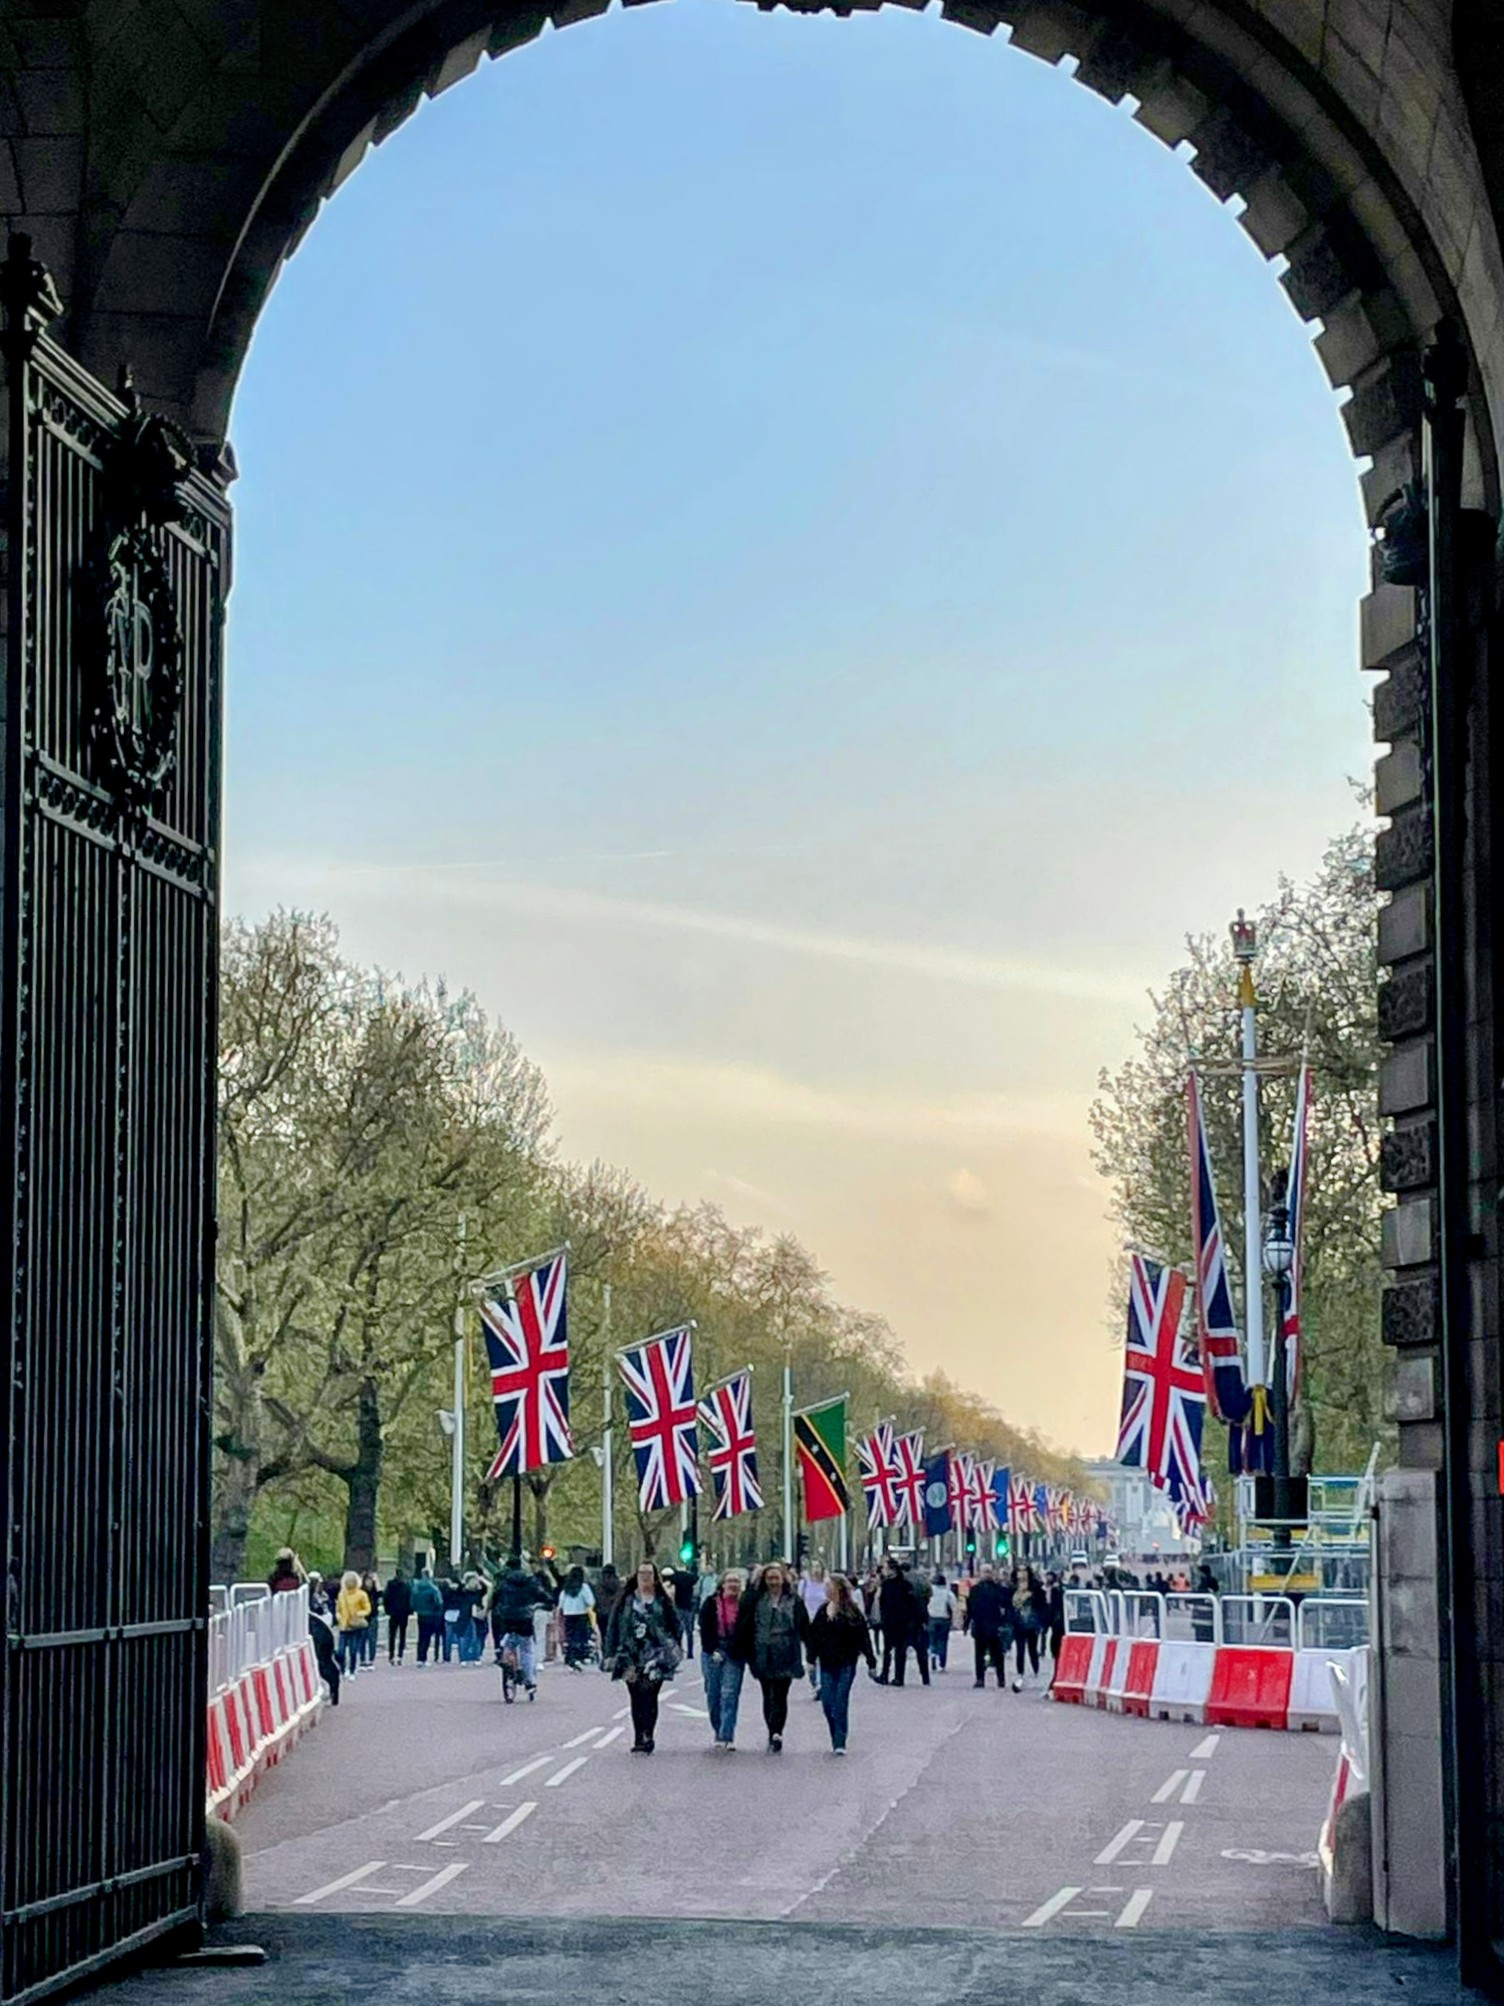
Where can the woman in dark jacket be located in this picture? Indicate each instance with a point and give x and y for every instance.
(642, 1647)
(771, 1633)
(1031, 1610)
(837, 1638)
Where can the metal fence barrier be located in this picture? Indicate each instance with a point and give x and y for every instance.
(1331, 1623)
(248, 1626)
(1319, 1622)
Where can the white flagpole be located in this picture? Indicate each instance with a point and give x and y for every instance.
(457, 1468)
(788, 1453)
(1244, 945)
(608, 1474)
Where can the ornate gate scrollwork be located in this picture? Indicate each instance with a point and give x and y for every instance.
(133, 639)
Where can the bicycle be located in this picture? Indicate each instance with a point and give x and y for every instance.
(509, 1658)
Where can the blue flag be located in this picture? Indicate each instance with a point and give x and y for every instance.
(937, 1494)
(1000, 1482)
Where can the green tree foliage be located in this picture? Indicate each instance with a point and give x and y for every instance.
(360, 1120)
(1317, 984)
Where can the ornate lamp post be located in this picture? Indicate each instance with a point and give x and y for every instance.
(1279, 1259)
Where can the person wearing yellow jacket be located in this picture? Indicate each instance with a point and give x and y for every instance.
(352, 1612)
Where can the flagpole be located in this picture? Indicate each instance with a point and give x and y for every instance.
(1244, 946)
(788, 1451)
(608, 1473)
(457, 1467)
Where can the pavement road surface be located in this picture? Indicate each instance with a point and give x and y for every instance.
(996, 1810)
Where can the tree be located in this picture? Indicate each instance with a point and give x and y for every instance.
(1317, 985)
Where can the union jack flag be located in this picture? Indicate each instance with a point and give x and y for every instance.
(1044, 1507)
(1060, 1510)
(1295, 1198)
(726, 1411)
(1216, 1326)
(961, 1485)
(661, 1415)
(527, 1344)
(877, 1461)
(908, 1480)
(1164, 1396)
(983, 1516)
(1021, 1513)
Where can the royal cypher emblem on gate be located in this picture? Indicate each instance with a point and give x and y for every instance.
(136, 644)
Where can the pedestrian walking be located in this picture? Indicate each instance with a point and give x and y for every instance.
(287, 1572)
(942, 1613)
(577, 1608)
(812, 1594)
(398, 1597)
(642, 1647)
(1055, 1614)
(318, 1597)
(370, 1582)
(352, 1613)
(325, 1653)
(720, 1665)
(1030, 1611)
(771, 1633)
(685, 1601)
(986, 1619)
(517, 1594)
(838, 1637)
(428, 1606)
(470, 1631)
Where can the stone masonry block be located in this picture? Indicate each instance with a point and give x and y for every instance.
(1399, 702)
(1407, 1157)
(1273, 214)
(1172, 109)
(1398, 778)
(1405, 1082)
(1407, 1234)
(1415, 1387)
(1410, 1312)
(1402, 853)
(1405, 1002)
(1387, 623)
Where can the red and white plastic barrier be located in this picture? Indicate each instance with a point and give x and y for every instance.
(265, 1689)
(1221, 1685)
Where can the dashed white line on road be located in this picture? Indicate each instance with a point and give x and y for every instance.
(1115, 1846)
(621, 1713)
(349, 1880)
(694, 1712)
(1193, 1785)
(1047, 1911)
(1164, 1851)
(432, 1885)
(454, 1818)
(510, 1823)
(580, 1739)
(568, 1770)
(607, 1739)
(1133, 1908)
(1205, 1750)
(540, 1762)
(1167, 1789)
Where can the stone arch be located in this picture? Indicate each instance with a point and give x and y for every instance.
(210, 136)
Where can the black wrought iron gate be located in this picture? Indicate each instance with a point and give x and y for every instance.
(116, 564)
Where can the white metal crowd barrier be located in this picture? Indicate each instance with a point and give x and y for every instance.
(1319, 1622)
(1331, 1623)
(250, 1626)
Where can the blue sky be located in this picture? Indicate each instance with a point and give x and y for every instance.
(799, 558)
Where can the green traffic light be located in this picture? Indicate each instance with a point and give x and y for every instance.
(687, 1552)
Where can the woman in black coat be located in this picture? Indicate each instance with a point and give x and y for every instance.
(837, 1638)
(771, 1633)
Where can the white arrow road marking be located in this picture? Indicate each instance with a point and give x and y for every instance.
(1167, 1790)
(568, 1770)
(1193, 1785)
(1133, 1908)
(1164, 1851)
(454, 1818)
(1115, 1846)
(509, 1824)
(1050, 1909)
(541, 1762)
(432, 1885)
(349, 1880)
(1205, 1750)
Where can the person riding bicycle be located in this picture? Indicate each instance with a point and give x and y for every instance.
(514, 1598)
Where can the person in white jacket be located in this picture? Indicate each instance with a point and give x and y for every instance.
(942, 1615)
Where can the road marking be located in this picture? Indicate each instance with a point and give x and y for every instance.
(1047, 1911)
(509, 1824)
(527, 1769)
(1133, 1908)
(580, 1739)
(621, 1713)
(1115, 1846)
(1167, 1790)
(1193, 1785)
(1164, 1851)
(345, 1881)
(567, 1771)
(694, 1712)
(1205, 1750)
(454, 1818)
(607, 1739)
(432, 1885)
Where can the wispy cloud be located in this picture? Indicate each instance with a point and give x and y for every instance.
(940, 962)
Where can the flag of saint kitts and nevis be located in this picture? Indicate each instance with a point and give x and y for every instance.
(820, 1441)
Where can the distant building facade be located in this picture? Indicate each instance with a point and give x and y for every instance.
(1144, 1523)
